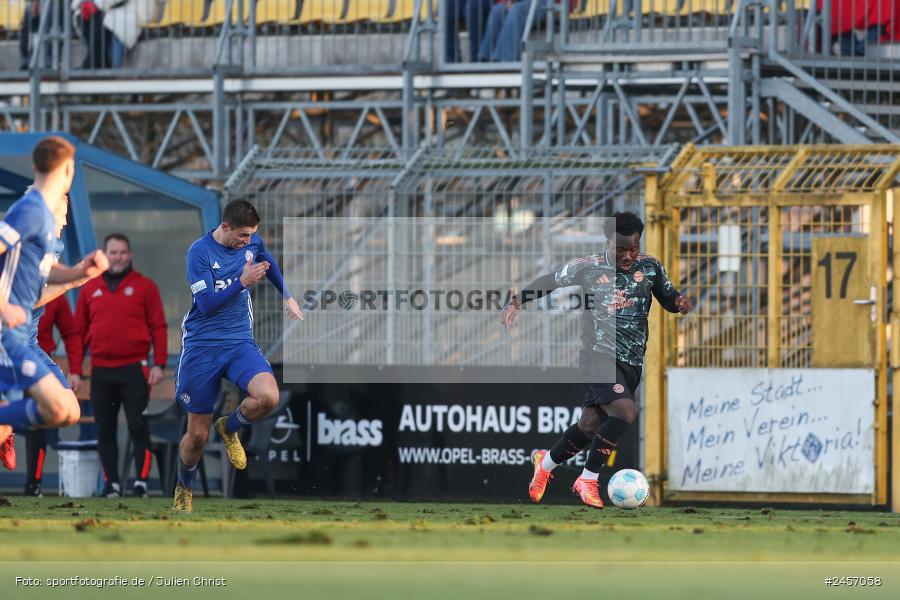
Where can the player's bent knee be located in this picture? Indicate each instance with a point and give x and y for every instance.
(589, 422)
(197, 439)
(627, 411)
(73, 409)
(73, 414)
(269, 401)
(54, 414)
(56, 404)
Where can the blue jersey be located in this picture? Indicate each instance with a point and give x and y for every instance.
(37, 313)
(28, 231)
(213, 269)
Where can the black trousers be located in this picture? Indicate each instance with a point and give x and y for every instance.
(30, 25)
(98, 40)
(111, 388)
(35, 452)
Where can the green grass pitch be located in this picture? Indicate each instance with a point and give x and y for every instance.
(338, 549)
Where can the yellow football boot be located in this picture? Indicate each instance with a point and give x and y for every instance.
(232, 445)
(183, 499)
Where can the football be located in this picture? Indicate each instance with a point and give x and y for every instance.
(628, 489)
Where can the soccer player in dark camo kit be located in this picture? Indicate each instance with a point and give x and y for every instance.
(609, 408)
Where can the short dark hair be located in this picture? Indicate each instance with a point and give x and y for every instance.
(623, 223)
(121, 237)
(240, 213)
(50, 153)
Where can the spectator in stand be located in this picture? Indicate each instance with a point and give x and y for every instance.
(119, 315)
(56, 313)
(30, 24)
(475, 13)
(98, 41)
(505, 28)
(112, 27)
(856, 23)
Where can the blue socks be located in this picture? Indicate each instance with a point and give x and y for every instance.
(21, 414)
(186, 474)
(235, 421)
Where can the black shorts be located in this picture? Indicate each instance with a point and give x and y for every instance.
(628, 378)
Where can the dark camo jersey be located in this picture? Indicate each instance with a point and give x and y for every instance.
(616, 319)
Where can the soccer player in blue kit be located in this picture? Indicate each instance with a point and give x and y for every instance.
(51, 292)
(218, 339)
(29, 238)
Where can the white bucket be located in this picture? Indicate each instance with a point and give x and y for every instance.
(78, 473)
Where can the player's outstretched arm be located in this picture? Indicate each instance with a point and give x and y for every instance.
(510, 312)
(291, 308)
(93, 265)
(538, 288)
(684, 304)
(670, 298)
(52, 291)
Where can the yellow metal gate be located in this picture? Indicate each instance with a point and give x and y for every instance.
(785, 251)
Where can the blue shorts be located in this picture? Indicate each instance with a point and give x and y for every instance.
(54, 368)
(23, 365)
(201, 368)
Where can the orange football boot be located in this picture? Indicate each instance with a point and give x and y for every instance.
(588, 491)
(8, 452)
(540, 478)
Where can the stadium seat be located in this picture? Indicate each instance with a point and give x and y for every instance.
(217, 15)
(276, 11)
(404, 9)
(322, 11)
(367, 10)
(11, 12)
(189, 13)
(586, 9)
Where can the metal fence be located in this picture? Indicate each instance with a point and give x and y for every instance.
(298, 182)
(786, 252)
(745, 221)
(512, 195)
(189, 37)
(645, 25)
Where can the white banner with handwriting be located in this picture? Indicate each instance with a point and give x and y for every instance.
(772, 430)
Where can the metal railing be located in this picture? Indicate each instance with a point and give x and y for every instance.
(189, 37)
(852, 29)
(566, 185)
(184, 37)
(487, 33)
(849, 53)
(646, 26)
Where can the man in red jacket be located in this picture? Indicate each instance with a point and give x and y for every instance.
(119, 315)
(56, 313)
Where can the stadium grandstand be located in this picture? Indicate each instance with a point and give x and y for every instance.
(554, 109)
(190, 86)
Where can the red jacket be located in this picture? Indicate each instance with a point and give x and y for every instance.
(58, 313)
(847, 15)
(119, 326)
